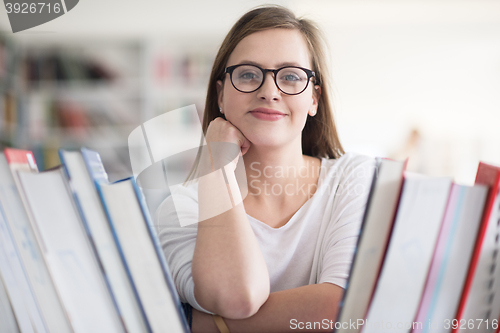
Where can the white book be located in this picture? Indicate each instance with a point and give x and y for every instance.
(17, 269)
(69, 255)
(401, 282)
(13, 291)
(30, 253)
(143, 256)
(370, 250)
(100, 234)
(451, 258)
(480, 302)
(7, 319)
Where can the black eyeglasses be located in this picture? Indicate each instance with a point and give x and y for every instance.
(291, 80)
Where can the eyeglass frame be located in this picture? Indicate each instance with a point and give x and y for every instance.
(229, 70)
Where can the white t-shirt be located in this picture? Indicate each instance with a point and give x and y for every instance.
(316, 245)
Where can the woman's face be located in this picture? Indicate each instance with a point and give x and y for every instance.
(269, 49)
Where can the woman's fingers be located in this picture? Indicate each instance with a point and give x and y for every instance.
(245, 146)
(221, 130)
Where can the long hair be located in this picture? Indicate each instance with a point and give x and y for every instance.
(319, 136)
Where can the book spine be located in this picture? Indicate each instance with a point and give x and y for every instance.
(122, 255)
(67, 180)
(489, 210)
(159, 253)
(94, 165)
(359, 241)
(19, 156)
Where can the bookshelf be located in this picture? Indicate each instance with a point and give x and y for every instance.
(68, 95)
(93, 93)
(176, 73)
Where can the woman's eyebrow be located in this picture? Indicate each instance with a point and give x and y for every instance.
(282, 64)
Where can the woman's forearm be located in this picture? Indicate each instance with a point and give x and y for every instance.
(285, 311)
(228, 268)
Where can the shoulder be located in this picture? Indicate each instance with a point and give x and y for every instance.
(349, 166)
(346, 181)
(350, 159)
(346, 186)
(180, 204)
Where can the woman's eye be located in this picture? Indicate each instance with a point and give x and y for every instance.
(248, 76)
(290, 77)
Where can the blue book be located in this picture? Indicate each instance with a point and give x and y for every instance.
(139, 248)
(98, 230)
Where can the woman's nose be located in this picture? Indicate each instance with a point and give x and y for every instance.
(269, 91)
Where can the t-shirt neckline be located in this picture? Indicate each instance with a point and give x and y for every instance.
(307, 203)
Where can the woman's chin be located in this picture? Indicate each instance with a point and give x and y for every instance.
(266, 142)
(265, 137)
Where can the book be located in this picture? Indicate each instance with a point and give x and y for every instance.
(98, 229)
(375, 232)
(25, 240)
(401, 282)
(13, 290)
(14, 262)
(68, 253)
(142, 255)
(7, 319)
(451, 258)
(480, 299)
(422, 239)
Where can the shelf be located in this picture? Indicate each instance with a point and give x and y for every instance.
(88, 90)
(49, 110)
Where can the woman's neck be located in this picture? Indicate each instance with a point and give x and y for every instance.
(273, 175)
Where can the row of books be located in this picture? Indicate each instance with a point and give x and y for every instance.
(78, 253)
(58, 66)
(190, 68)
(427, 256)
(7, 61)
(36, 114)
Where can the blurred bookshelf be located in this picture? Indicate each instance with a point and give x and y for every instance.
(92, 93)
(69, 96)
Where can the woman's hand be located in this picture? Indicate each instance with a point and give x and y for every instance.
(221, 130)
(225, 144)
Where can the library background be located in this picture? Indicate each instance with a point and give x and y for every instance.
(415, 79)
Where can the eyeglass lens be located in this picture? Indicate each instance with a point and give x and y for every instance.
(290, 80)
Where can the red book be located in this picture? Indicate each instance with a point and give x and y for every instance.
(479, 300)
(20, 157)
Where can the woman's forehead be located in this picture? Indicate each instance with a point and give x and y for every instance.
(272, 48)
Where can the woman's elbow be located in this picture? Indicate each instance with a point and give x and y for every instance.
(243, 304)
(233, 300)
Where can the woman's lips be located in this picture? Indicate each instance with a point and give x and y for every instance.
(267, 114)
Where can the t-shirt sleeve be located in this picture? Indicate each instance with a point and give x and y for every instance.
(178, 242)
(341, 235)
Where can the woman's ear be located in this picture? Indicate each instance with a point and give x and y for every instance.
(220, 92)
(315, 100)
(316, 95)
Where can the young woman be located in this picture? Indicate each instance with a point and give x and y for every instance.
(279, 260)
